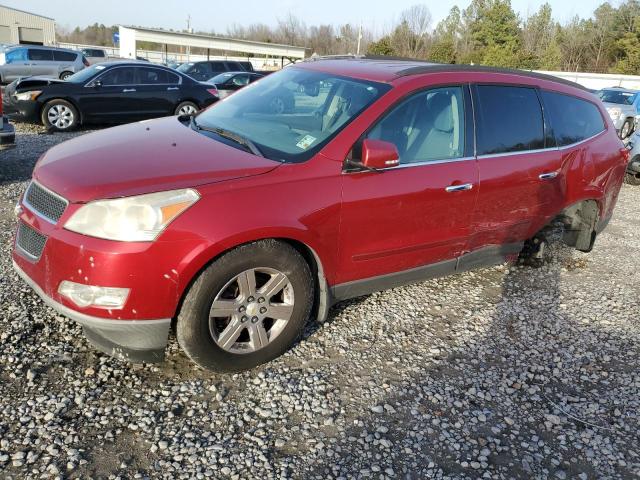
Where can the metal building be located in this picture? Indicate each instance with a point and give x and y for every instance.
(18, 26)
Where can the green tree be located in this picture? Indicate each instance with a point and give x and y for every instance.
(381, 47)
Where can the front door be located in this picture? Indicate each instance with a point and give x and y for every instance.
(416, 214)
(111, 97)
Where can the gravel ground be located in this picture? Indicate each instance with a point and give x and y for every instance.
(505, 372)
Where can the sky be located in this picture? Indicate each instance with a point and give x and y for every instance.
(207, 15)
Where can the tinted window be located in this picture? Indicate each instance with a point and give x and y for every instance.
(572, 119)
(617, 96)
(19, 55)
(91, 52)
(150, 76)
(118, 76)
(64, 56)
(509, 119)
(218, 67)
(234, 66)
(428, 126)
(40, 55)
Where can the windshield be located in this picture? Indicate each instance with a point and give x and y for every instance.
(223, 77)
(85, 74)
(184, 67)
(617, 96)
(291, 114)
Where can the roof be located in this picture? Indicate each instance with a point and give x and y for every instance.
(24, 11)
(388, 69)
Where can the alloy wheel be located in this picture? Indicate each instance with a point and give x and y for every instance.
(187, 110)
(251, 310)
(60, 116)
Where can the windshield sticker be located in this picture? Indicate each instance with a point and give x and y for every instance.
(100, 67)
(305, 142)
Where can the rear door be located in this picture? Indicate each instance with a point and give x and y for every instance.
(158, 91)
(418, 213)
(65, 60)
(519, 165)
(42, 63)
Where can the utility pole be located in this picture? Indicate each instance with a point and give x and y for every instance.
(188, 31)
(359, 38)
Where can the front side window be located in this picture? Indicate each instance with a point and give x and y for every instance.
(426, 127)
(118, 76)
(40, 55)
(573, 119)
(291, 114)
(509, 119)
(14, 56)
(617, 96)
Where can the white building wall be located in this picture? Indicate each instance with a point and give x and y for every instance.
(15, 19)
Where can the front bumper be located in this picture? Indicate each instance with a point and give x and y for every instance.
(24, 111)
(7, 134)
(130, 340)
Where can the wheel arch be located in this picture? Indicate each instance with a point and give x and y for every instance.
(322, 295)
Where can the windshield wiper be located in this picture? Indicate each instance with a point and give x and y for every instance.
(234, 137)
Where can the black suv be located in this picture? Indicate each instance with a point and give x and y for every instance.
(210, 68)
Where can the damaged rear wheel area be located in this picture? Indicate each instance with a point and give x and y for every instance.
(574, 227)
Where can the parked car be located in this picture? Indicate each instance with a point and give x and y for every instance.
(229, 82)
(95, 55)
(7, 132)
(27, 60)
(115, 92)
(240, 224)
(206, 69)
(632, 176)
(622, 105)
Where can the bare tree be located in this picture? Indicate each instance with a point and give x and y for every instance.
(291, 30)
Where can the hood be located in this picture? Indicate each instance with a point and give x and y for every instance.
(34, 82)
(621, 106)
(142, 157)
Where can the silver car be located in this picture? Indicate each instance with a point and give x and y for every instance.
(28, 60)
(623, 105)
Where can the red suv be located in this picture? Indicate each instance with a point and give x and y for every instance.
(239, 224)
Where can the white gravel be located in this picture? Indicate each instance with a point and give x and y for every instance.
(505, 372)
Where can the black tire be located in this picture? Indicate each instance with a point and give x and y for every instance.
(182, 108)
(65, 75)
(627, 129)
(193, 327)
(62, 106)
(632, 179)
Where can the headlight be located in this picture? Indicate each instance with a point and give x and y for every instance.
(131, 219)
(27, 96)
(615, 112)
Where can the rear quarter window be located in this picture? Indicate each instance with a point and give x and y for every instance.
(509, 119)
(572, 118)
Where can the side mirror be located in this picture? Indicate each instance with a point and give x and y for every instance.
(97, 84)
(378, 154)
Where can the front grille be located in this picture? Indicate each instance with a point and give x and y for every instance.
(30, 241)
(45, 203)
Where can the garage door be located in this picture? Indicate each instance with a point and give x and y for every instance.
(33, 36)
(5, 34)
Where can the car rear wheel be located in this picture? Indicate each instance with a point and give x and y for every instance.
(65, 75)
(247, 308)
(632, 178)
(186, 108)
(59, 115)
(627, 129)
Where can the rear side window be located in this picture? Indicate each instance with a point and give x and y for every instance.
(234, 66)
(64, 56)
(572, 119)
(509, 119)
(154, 76)
(36, 54)
(218, 67)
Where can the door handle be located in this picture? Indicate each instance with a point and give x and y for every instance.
(127, 90)
(173, 88)
(459, 188)
(548, 176)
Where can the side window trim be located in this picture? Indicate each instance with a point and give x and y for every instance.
(92, 81)
(469, 130)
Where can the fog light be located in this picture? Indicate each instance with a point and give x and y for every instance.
(92, 296)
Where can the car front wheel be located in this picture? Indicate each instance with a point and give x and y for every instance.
(59, 115)
(247, 308)
(627, 129)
